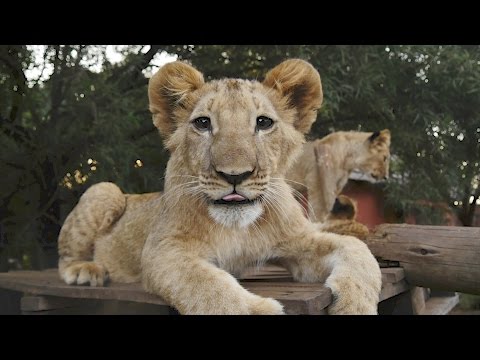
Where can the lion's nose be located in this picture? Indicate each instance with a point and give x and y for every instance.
(235, 179)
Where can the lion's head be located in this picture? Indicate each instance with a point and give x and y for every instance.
(233, 139)
(374, 156)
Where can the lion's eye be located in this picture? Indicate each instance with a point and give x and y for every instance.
(202, 123)
(263, 123)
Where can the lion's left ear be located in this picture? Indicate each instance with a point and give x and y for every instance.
(379, 137)
(300, 82)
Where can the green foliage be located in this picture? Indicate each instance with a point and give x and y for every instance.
(76, 129)
(82, 125)
(469, 302)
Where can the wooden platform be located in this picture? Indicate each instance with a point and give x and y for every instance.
(45, 293)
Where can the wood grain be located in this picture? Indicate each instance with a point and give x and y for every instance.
(440, 257)
(47, 292)
(418, 296)
(298, 298)
(440, 305)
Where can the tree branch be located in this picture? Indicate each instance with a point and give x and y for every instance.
(21, 81)
(133, 71)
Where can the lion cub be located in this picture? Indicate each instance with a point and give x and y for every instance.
(325, 164)
(225, 205)
(342, 219)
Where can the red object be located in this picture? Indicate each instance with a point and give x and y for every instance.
(371, 209)
(370, 202)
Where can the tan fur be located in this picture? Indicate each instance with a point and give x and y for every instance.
(343, 221)
(325, 164)
(184, 247)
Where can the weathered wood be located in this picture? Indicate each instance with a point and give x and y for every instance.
(417, 301)
(41, 303)
(266, 273)
(440, 257)
(48, 283)
(392, 289)
(46, 292)
(53, 305)
(297, 298)
(277, 273)
(392, 275)
(440, 305)
(393, 279)
(418, 297)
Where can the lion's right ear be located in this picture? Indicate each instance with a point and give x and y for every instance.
(168, 90)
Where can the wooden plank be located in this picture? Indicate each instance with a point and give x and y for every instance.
(297, 298)
(46, 290)
(67, 306)
(276, 273)
(418, 297)
(440, 305)
(392, 289)
(266, 273)
(440, 257)
(48, 283)
(392, 275)
(41, 303)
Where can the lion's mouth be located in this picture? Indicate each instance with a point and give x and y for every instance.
(233, 199)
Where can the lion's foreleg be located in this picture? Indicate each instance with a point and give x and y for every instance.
(194, 285)
(345, 264)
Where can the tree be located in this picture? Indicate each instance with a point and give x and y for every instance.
(60, 136)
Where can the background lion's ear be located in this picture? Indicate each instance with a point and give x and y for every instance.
(300, 83)
(380, 137)
(168, 89)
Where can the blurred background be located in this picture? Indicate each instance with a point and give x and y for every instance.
(75, 115)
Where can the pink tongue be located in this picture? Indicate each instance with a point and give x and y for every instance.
(233, 197)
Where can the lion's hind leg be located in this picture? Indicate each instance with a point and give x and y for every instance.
(99, 207)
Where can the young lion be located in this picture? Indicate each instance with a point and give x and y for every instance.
(225, 205)
(325, 164)
(342, 219)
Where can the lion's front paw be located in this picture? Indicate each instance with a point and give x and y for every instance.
(351, 297)
(86, 273)
(265, 306)
(342, 305)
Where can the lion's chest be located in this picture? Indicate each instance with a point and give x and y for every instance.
(235, 250)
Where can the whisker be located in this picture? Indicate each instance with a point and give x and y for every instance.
(310, 213)
(288, 180)
(177, 191)
(275, 199)
(269, 204)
